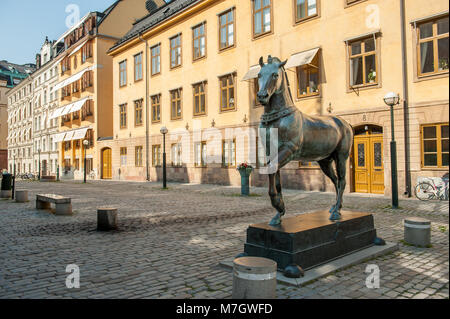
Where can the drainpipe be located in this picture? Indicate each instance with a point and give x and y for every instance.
(405, 100)
(147, 127)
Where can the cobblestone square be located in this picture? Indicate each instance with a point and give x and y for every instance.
(170, 242)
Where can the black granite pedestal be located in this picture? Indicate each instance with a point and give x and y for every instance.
(311, 239)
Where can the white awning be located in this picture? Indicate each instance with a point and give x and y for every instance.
(70, 108)
(72, 28)
(56, 113)
(57, 138)
(78, 48)
(73, 78)
(301, 58)
(252, 73)
(80, 134)
(69, 136)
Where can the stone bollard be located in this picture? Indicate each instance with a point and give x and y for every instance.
(254, 278)
(417, 231)
(21, 196)
(106, 219)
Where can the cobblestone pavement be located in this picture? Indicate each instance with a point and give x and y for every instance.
(170, 243)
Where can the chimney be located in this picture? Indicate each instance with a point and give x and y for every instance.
(38, 61)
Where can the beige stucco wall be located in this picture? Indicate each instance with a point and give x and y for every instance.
(335, 23)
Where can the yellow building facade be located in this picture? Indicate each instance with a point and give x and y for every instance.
(192, 65)
(85, 87)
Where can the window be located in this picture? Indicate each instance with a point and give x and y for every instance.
(156, 155)
(435, 145)
(199, 98)
(138, 112)
(229, 153)
(308, 79)
(176, 155)
(305, 9)
(262, 17)
(86, 80)
(86, 52)
(227, 92)
(175, 51)
(123, 156)
(363, 62)
(432, 47)
(87, 109)
(156, 59)
(199, 41)
(138, 67)
(75, 65)
(123, 73)
(226, 30)
(175, 104)
(200, 154)
(123, 116)
(156, 108)
(138, 156)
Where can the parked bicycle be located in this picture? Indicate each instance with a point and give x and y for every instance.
(427, 190)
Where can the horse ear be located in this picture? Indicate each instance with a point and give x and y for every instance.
(282, 64)
(261, 61)
(270, 59)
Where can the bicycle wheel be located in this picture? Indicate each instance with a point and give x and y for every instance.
(424, 191)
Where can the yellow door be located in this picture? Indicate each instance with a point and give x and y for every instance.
(362, 163)
(377, 166)
(368, 164)
(107, 167)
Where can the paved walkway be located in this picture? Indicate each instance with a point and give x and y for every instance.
(170, 243)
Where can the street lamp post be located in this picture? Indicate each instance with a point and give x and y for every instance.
(85, 144)
(164, 131)
(391, 99)
(39, 172)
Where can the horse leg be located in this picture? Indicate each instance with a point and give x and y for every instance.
(341, 168)
(275, 199)
(279, 193)
(326, 165)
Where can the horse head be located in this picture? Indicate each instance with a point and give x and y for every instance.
(270, 78)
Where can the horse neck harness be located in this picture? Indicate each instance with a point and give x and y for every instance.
(273, 116)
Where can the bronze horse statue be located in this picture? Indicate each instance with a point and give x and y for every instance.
(325, 139)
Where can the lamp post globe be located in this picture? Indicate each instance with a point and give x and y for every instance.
(164, 131)
(85, 144)
(391, 99)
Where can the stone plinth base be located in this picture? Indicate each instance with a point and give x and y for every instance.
(311, 239)
(5, 194)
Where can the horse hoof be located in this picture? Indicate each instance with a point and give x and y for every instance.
(332, 209)
(276, 221)
(335, 216)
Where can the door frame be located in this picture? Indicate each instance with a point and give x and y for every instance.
(368, 131)
(103, 162)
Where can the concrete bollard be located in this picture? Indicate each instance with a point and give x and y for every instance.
(6, 194)
(417, 231)
(21, 196)
(254, 278)
(106, 219)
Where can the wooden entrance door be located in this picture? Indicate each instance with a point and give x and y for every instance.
(106, 163)
(368, 164)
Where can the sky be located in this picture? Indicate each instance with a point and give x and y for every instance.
(24, 24)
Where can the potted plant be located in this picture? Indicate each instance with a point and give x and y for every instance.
(372, 76)
(245, 170)
(443, 64)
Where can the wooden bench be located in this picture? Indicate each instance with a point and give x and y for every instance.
(63, 205)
